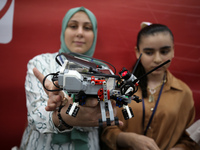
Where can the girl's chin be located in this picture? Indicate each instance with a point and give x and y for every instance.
(158, 72)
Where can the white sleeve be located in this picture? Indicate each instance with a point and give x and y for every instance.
(36, 98)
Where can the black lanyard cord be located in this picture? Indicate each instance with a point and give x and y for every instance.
(151, 118)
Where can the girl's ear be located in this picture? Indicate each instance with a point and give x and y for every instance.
(137, 52)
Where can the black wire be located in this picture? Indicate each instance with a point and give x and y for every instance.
(56, 85)
(152, 70)
(53, 83)
(95, 59)
(102, 74)
(57, 59)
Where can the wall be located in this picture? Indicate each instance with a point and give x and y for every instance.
(36, 29)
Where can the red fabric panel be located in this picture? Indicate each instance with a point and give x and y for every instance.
(36, 30)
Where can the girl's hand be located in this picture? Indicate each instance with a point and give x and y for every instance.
(136, 141)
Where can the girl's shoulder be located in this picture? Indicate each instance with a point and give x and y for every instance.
(177, 83)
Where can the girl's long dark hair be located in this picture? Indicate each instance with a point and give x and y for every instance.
(148, 30)
(142, 83)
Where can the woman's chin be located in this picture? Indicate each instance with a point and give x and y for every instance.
(79, 50)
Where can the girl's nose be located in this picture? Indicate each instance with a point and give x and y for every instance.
(157, 58)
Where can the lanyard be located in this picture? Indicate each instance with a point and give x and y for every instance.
(151, 118)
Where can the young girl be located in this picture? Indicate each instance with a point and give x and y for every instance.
(44, 130)
(167, 106)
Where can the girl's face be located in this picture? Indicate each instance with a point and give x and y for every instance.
(156, 49)
(79, 33)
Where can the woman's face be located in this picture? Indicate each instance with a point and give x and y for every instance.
(79, 34)
(156, 49)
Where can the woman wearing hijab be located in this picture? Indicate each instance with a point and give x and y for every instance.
(44, 130)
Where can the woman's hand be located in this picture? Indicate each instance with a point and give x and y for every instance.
(88, 115)
(136, 141)
(55, 98)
